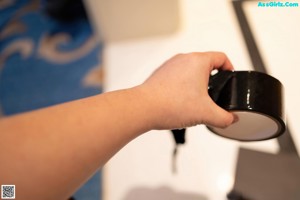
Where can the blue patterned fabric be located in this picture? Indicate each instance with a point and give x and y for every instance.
(44, 62)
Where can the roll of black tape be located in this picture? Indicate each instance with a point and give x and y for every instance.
(257, 100)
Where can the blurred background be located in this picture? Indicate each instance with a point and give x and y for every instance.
(49, 54)
(54, 52)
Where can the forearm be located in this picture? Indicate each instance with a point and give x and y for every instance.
(61, 146)
(48, 153)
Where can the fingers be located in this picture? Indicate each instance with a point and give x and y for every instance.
(219, 60)
(218, 117)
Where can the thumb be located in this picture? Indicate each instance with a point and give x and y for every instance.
(217, 116)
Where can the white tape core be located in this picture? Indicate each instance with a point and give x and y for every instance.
(250, 126)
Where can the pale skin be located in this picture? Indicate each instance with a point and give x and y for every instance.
(56, 149)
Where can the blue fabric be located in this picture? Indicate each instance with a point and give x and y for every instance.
(36, 73)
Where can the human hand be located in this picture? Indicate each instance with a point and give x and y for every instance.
(178, 92)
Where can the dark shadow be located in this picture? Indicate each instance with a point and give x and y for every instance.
(161, 193)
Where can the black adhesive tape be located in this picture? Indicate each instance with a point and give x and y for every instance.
(256, 98)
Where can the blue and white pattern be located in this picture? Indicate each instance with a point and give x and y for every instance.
(44, 62)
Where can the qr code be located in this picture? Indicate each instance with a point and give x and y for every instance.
(8, 191)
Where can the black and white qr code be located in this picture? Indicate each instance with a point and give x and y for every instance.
(8, 191)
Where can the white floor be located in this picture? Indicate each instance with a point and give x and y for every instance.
(206, 163)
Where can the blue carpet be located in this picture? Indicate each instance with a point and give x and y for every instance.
(44, 62)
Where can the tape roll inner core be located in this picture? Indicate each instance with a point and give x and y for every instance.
(250, 126)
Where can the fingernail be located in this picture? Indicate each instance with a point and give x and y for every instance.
(235, 118)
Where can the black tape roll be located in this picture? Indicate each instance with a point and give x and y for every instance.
(256, 98)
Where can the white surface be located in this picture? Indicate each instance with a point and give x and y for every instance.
(251, 126)
(206, 164)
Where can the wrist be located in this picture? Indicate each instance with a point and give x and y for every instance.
(131, 110)
(153, 111)
(144, 104)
